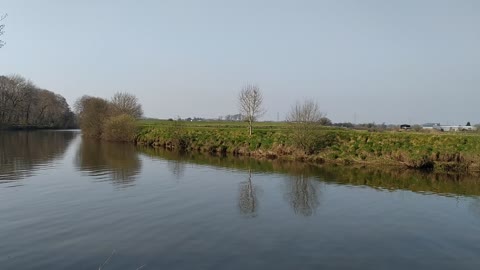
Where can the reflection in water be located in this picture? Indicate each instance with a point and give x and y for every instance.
(303, 195)
(177, 168)
(400, 179)
(108, 161)
(474, 207)
(22, 153)
(247, 201)
(219, 217)
(378, 178)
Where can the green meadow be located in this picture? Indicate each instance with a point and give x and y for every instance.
(459, 152)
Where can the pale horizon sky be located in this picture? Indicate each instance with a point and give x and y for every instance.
(410, 61)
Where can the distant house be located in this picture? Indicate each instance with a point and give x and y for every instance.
(405, 126)
(450, 128)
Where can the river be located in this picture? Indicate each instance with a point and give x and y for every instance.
(71, 203)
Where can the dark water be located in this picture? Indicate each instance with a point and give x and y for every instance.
(68, 203)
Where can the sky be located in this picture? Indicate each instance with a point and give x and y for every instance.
(408, 61)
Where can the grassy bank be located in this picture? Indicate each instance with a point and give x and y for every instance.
(459, 152)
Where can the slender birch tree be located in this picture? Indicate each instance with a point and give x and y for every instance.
(251, 105)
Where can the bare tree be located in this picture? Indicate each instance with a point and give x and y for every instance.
(305, 118)
(2, 26)
(306, 112)
(251, 104)
(125, 103)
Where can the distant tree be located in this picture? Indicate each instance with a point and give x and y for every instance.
(2, 26)
(92, 113)
(468, 124)
(305, 118)
(251, 104)
(324, 121)
(125, 103)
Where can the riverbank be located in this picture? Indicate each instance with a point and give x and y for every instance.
(448, 152)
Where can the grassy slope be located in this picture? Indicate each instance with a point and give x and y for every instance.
(443, 151)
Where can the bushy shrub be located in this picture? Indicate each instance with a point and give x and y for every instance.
(92, 113)
(120, 128)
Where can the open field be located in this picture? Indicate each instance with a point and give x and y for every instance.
(458, 152)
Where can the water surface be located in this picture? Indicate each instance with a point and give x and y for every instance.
(72, 203)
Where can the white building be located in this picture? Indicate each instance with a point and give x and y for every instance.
(451, 128)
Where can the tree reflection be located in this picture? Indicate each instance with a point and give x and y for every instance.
(108, 161)
(24, 152)
(303, 195)
(474, 207)
(177, 168)
(247, 202)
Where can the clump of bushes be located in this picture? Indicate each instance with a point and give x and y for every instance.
(122, 128)
(113, 120)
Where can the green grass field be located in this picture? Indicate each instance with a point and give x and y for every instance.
(441, 151)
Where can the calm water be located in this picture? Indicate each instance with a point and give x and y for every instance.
(70, 203)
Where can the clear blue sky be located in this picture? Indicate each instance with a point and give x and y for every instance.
(385, 61)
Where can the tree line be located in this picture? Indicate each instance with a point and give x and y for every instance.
(24, 105)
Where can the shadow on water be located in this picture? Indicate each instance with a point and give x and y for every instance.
(304, 191)
(104, 161)
(23, 153)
